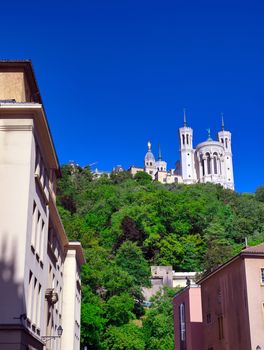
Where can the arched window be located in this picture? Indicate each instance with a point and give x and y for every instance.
(226, 143)
(215, 163)
(202, 163)
(183, 139)
(208, 163)
(187, 139)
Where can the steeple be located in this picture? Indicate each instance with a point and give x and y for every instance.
(159, 156)
(184, 118)
(223, 123)
(209, 135)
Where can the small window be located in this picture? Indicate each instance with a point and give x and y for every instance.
(150, 163)
(262, 275)
(220, 327)
(208, 318)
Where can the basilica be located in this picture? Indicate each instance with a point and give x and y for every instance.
(209, 161)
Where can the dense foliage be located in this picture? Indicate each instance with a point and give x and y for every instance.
(125, 225)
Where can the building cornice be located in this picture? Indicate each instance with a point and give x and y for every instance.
(37, 113)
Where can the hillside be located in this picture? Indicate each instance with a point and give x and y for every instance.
(125, 225)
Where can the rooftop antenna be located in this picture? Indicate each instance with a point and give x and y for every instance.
(223, 123)
(246, 242)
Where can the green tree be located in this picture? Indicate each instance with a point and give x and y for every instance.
(130, 258)
(260, 193)
(158, 323)
(119, 309)
(143, 178)
(126, 337)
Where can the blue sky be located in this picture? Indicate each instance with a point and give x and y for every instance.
(115, 74)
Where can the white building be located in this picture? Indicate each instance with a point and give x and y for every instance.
(210, 161)
(39, 267)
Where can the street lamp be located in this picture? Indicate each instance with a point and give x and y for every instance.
(45, 338)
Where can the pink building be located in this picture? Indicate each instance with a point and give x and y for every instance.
(233, 303)
(188, 319)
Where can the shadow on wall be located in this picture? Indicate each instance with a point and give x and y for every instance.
(12, 302)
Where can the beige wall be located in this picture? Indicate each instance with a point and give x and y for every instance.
(255, 291)
(15, 149)
(71, 302)
(13, 85)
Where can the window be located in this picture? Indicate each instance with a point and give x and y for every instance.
(182, 327)
(187, 138)
(262, 275)
(183, 139)
(202, 164)
(150, 163)
(220, 327)
(208, 163)
(215, 165)
(208, 318)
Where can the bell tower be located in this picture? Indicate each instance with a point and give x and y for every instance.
(187, 153)
(224, 137)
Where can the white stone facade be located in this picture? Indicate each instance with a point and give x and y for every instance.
(209, 161)
(36, 257)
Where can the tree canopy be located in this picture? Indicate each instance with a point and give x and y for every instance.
(126, 225)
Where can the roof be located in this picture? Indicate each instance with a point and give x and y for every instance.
(256, 251)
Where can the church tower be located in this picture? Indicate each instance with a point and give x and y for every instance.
(224, 137)
(187, 153)
(161, 165)
(149, 162)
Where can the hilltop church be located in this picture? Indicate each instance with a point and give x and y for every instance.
(210, 161)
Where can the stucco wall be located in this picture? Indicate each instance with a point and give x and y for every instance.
(255, 291)
(191, 297)
(224, 294)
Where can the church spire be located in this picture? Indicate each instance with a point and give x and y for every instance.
(223, 123)
(149, 146)
(209, 135)
(159, 157)
(184, 117)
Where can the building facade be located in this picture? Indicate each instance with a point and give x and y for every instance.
(209, 161)
(188, 320)
(233, 303)
(39, 267)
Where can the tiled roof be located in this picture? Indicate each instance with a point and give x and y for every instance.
(257, 249)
